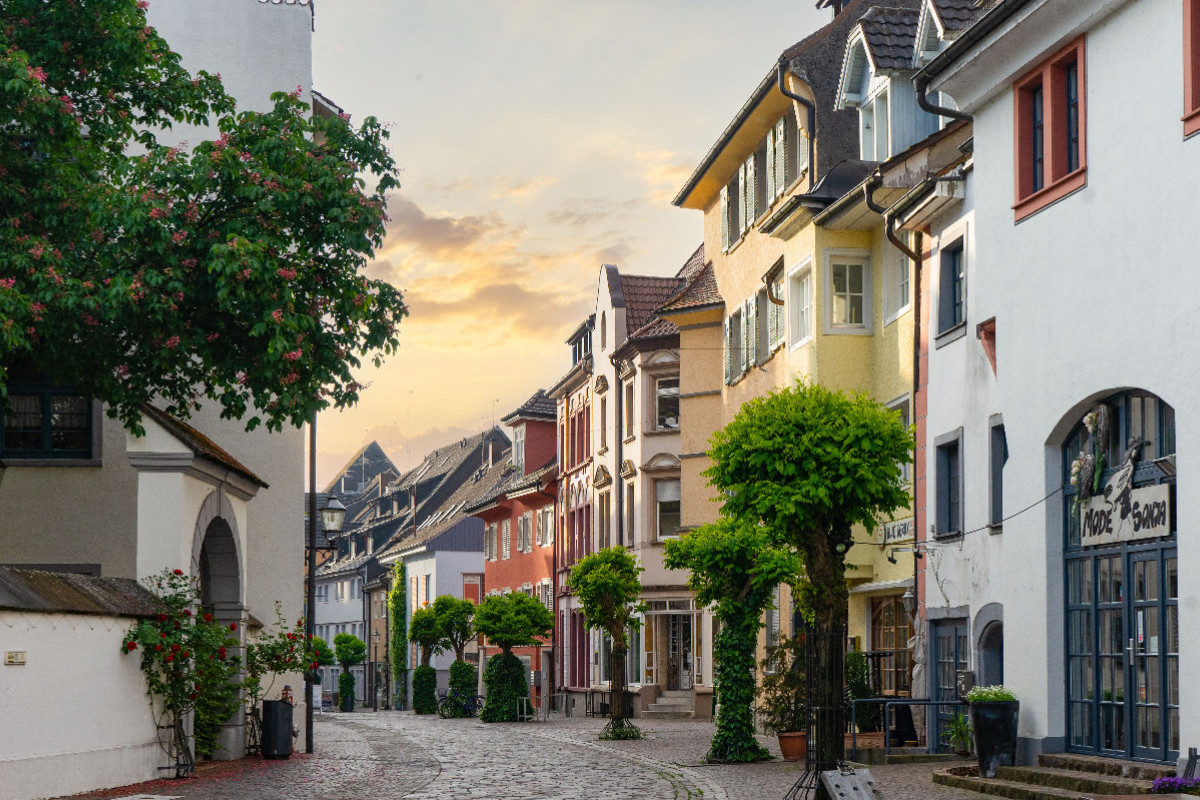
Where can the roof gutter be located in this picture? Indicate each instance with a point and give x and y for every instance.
(780, 70)
(889, 221)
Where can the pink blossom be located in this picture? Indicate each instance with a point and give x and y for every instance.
(286, 273)
(157, 213)
(8, 283)
(178, 236)
(277, 315)
(294, 355)
(143, 4)
(37, 250)
(123, 370)
(37, 73)
(173, 342)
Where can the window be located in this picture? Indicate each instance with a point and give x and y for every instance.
(800, 318)
(730, 211)
(506, 539)
(1191, 67)
(735, 353)
(949, 484)
(581, 348)
(757, 350)
(952, 300)
(666, 403)
(667, 495)
(779, 146)
(519, 448)
(997, 457)
(1051, 125)
(628, 410)
(848, 292)
(546, 527)
(489, 544)
(630, 515)
(896, 278)
(44, 421)
(603, 526)
(903, 408)
(891, 628)
(603, 423)
(603, 330)
(776, 313)
(772, 620)
(874, 124)
(525, 532)
(748, 190)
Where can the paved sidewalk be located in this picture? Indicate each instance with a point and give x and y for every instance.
(391, 755)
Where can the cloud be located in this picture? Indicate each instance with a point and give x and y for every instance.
(410, 225)
(582, 212)
(522, 311)
(499, 187)
(664, 172)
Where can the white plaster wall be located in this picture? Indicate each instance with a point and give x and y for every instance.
(70, 729)
(1091, 295)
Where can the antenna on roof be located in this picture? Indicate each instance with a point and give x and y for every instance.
(836, 5)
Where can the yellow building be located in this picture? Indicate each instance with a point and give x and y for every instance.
(803, 281)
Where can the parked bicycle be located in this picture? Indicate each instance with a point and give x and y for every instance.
(457, 704)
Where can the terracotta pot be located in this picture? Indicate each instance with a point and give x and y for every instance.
(793, 745)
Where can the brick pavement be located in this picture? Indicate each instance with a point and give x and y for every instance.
(396, 754)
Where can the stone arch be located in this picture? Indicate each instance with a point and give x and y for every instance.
(989, 644)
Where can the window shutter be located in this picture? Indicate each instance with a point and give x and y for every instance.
(742, 207)
(745, 330)
(752, 330)
(724, 217)
(751, 192)
(801, 151)
(772, 184)
(728, 358)
(780, 161)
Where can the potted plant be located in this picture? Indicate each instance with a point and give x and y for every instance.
(958, 734)
(783, 708)
(994, 711)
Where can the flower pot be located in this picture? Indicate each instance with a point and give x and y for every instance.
(347, 703)
(994, 723)
(276, 729)
(793, 744)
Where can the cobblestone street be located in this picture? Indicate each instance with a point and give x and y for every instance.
(395, 754)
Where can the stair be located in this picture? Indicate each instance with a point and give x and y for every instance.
(671, 704)
(1061, 776)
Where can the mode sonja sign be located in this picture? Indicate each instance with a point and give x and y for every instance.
(1122, 513)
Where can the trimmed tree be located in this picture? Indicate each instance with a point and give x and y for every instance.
(398, 640)
(349, 651)
(508, 621)
(141, 272)
(735, 567)
(455, 619)
(607, 586)
(322, 655)
(808, 464)
(424, 630)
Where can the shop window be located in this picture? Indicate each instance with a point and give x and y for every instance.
(1191, 67)
(44, 421)
(666, 403)
(667, 497)
(891, 660)
(1051, 124)
(949, 484)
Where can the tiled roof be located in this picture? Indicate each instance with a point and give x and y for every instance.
(369, 461)
(540, 406)
(694, 264)
(958, 15)
(699, 292)
(198, 443)
(36, 590)
(513, 482)
(643, 295)
(889, 34)
(656, 328)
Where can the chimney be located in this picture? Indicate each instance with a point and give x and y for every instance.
(491, 453)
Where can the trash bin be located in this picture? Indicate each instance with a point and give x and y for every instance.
(277, 729)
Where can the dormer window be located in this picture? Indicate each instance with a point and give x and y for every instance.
(581, 349)
(518, 448)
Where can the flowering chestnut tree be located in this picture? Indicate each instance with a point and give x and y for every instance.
(133, 270)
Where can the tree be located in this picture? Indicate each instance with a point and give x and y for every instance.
(808, 464)
(735, 567)
(138, 271)
(455, 618)
(508, 621)
(425, 631)
(607, 586)
(398, 640)
(322, 655)
(349, 650)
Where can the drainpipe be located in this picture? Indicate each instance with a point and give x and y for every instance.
(812, 119)
(889, 231)
(921, 82)
(619, 444)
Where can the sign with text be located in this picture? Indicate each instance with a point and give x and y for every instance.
(899, 531)
(1143, 513)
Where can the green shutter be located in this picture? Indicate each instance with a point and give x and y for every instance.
(773, 186)
(743, 178)
(780, 160)
(724, 217)
(728, 355)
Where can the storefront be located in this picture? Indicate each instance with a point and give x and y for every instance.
(1122, 580)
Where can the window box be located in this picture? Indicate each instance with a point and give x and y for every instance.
(1050, 130)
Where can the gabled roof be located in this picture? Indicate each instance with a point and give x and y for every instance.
(693, 265)
(200, 444)
(957, 15)
(643, 295)
(540, 406)
(699, 292)
(888, 34)
(510, 482)
(369, 461)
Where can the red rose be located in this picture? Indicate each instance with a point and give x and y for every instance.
(222, 656)
(192, 696)
(187, 612)
(174, 648)
(131, 645)
(162, 617)
(313, 665)
(184, 654)
(208, 617)
(163, 635)
(170, 657)
(178, 572)
(197, 687)
(233, 626)
(157, 647)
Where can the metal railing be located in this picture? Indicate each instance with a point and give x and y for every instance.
(539, 708)
(888, 704)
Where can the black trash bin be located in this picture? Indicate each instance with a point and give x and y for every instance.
(277, 729)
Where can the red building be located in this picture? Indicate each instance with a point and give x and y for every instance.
(518, 517)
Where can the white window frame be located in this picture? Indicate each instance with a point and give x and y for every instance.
(796, 308)
(658, 533)
(849, 257)
(518, 447)
(545, 525)
(527, 525)
(735, 351)
(904, 405)
(897, 275)
(658, 395)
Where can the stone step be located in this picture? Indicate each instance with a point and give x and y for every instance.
(674, 701)
(676, 693)
(652, 713)
(1106, 766)
(1015, 790)
(1074, 780)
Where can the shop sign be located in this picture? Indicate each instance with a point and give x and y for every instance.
(1143, 513)
(900, 530)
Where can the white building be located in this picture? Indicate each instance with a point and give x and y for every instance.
(1059, 292)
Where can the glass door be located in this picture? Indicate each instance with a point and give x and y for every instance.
(950, 654)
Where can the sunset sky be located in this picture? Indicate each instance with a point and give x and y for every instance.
(537, 140)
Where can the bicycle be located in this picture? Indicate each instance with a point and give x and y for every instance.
(456, 705)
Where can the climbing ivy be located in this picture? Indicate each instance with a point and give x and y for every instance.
(398, 640)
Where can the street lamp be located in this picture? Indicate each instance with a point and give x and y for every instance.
(909, 600)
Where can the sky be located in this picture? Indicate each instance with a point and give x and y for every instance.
(536, 141)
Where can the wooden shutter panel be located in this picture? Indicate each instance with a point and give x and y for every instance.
(772, 184)
(751, 192)
(801, 151)
(724, 217)
(780, 161)
(773, 318)
(728, 358)
(752, 330)
(742, 326)
(742, 209)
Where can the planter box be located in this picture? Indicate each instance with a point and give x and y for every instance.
(994, 724)
(793, 745)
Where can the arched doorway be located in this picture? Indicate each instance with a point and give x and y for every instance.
(1121, 580)
(991, 655)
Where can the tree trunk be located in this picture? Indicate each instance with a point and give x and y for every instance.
(733, 653)
(617, 710)
(826, 571)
